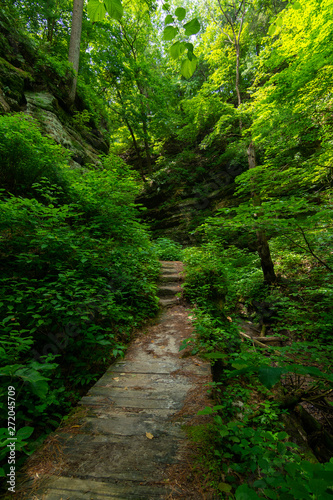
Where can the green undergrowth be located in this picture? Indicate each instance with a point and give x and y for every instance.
(167, 249)
(249, 453)
(77, 277)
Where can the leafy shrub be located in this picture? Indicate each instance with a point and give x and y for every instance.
(272, 464)
(77, 275)
(205, 276)
(26, 156)
(167, 249)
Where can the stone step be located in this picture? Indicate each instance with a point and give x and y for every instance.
(169, 272)
(168, 291)
(172, 277)
(169, 302)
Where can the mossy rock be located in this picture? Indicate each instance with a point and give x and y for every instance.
(53, 121)
(12, 82)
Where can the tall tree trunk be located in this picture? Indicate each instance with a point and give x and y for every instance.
(264, 253)
(145, 126)
(74, 44)
(137, 150)
(239, 100)
(50, 29)
(131, 131)
(235, 40)
(146, 143)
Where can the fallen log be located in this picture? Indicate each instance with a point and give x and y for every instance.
(258, 343)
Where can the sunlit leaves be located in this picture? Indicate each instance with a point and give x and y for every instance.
(177, 49)
(165, 6)
(114, 9)
(192, 27)
(169, 19)
(98, 8)
(188, 66)
(275, 27)
(169, 33)
(180, 13)
(189, 47)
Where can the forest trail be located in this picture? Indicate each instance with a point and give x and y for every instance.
(129, 435)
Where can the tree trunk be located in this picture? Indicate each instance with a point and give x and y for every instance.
(50, 29)
(74, 44)
(147, 149)
(145, 127)
(264, 253)
(239, 100)
(263, 250)
(137, 150)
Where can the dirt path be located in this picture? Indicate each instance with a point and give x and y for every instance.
(130, 432)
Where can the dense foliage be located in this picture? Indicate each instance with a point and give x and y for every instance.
(70, 278)
(248, 135)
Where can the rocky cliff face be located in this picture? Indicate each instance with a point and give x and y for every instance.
(175, 210)
(29, 84)
(85, 146)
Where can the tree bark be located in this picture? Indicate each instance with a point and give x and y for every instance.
(239, 100)
(235, 41)
(147, 148)
(74, 44)
(263, 250)
(144, 115)
(137, 150)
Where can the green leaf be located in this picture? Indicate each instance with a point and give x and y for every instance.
(225, 487)
(189, 46)
(243, 492)
(296, 5)
(317, 486)
(96, 10)
(169, 19)
(190, 55)
(38, 383)
(169, 33)
(269, 376)
(114, 9)
(192, 27)
(216, 355)
(40, 388)
(282, 435)
(166, 6)
(24, 432)
(177, 49)
(207, 411)
(180, 12)
(188, 67)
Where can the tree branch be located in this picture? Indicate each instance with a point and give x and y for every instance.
(311, 251)
(307, 248)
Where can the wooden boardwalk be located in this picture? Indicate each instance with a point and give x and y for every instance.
(130, 431)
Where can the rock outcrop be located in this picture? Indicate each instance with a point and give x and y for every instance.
(176, 210)
(55, 122)
(30, 83)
